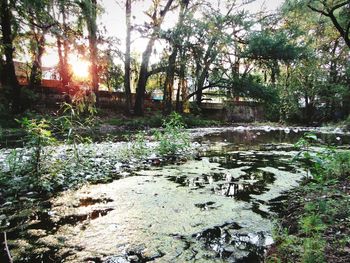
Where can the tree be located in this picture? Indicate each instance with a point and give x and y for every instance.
(63, 34)
(269, 48)
(176, 40)
(89, 12)
(36, 15)
(318, 79)
(127, 63)
(212, 35)
(11, 81)
(111, 74)
(338, 12)
(157, 18)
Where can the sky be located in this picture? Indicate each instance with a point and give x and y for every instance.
(113, 20)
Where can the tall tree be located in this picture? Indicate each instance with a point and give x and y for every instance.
(127, 65)
(63, 46)
(319, 78)
(157, 20)
(212, 36)
(170, 72)
(7, 40)
(89, 11)
(36, 15)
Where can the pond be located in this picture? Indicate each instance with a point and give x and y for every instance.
(217, 207)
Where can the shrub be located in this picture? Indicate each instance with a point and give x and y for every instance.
(173, 139)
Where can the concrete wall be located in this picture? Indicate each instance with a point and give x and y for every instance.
(235, 111)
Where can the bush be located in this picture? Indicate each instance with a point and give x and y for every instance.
(173, 139)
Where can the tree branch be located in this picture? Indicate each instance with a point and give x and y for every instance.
(212, 85)
(156, 71)
(343, 32)
(7, 248)
(317, 10)
(338, 6)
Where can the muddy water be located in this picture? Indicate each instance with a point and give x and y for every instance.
(216, 208)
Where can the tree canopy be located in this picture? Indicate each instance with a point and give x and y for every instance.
(297, 56)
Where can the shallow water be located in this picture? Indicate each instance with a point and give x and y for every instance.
(217, 207)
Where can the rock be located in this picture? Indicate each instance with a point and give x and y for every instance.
(116, 260)
(133, 258)
(32, 194)
(7, 204)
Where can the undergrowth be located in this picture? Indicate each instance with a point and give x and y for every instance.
(315, 227)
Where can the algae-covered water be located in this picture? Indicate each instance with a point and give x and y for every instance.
(217, 207)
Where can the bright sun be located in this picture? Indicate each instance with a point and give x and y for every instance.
(80, 68)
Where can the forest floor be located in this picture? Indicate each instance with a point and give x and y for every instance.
(315, 224)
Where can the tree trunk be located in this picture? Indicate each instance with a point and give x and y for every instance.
(2, 72)
(92, 28)
(61, 67)
(183, 83)
(169, 83)
(65, 71)
(170, 73)
(201, 81)
(202, 73)
(178, 107)
(11, 78)
(127, 69)
(143, 77)
(36, 70)
(333, 73)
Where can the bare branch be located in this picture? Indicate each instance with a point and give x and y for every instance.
(317, 10)
(339, 6)
(7, 248)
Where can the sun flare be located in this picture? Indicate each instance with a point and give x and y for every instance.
(80, 68)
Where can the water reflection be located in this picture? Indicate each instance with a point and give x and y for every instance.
(232, 245)
(242, 176)
(252, 137)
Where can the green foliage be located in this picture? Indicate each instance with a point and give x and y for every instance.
(83, 102)
(325, 166)
(72, 123)
(267, 46)
(320, 213)
(26, 168)
(337, 166)
(33, 168)
(38, 136)
(173, 139)
(314, 250)
(139, 148)
(195, 109)
(28, 98)
(312, 224)
(288, 247)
